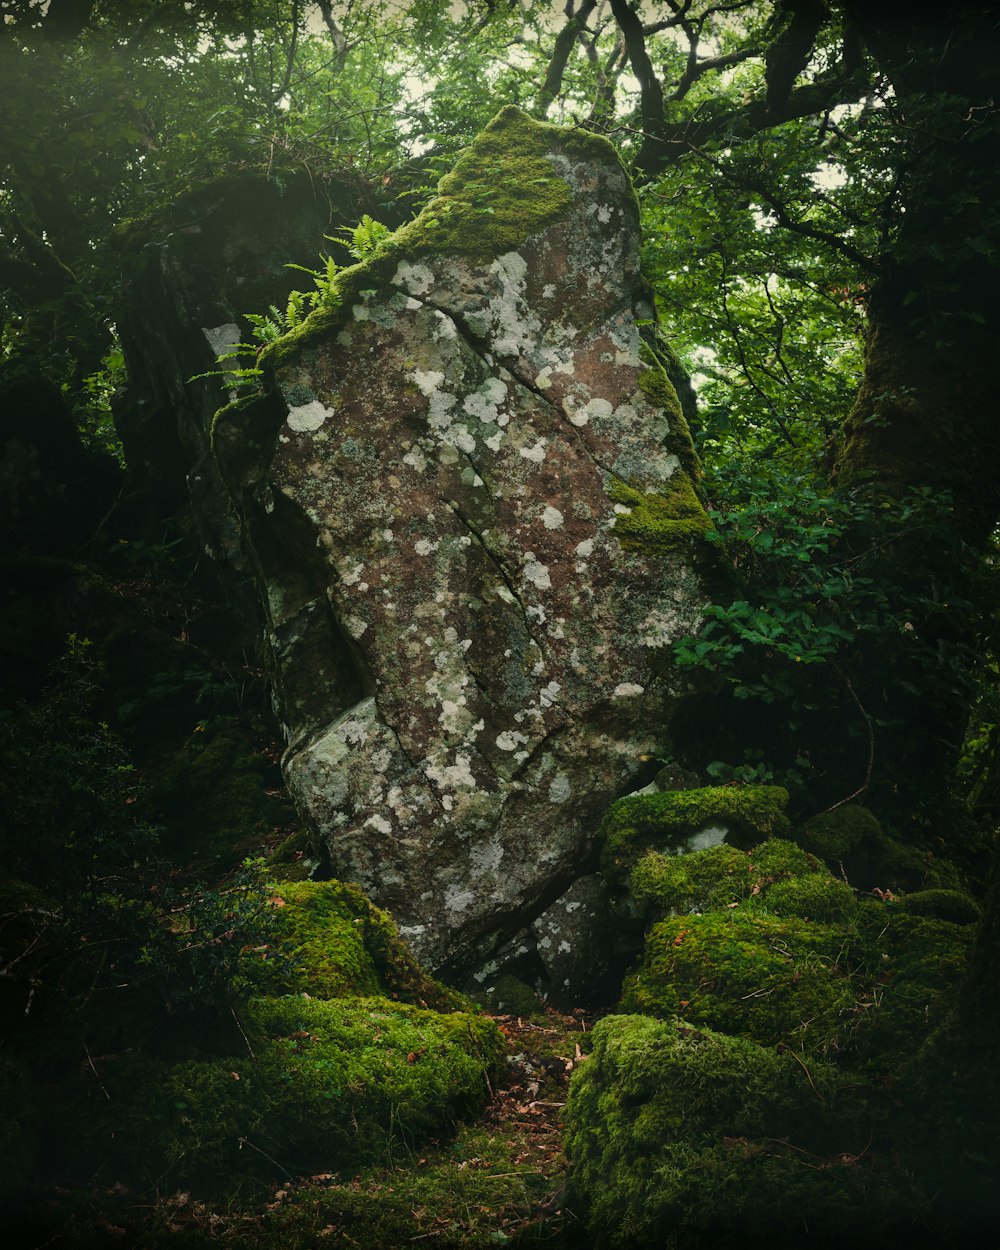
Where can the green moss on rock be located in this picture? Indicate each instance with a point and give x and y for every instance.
(747, 973)
(321, 1085)
(688, 1137)
(817, 897)
(954, 905)
(514, 997)
(718, 876)
(661, 392)
(504, 188)
(670, 820)
(331, 941)
(666, 518)
(839, 835)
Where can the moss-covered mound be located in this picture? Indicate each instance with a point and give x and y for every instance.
(720, 876)
(677, 820)
(769, 978)
(767, 944)
(331, 941)
(320, 1085)
(841, 835)
(684, 1137)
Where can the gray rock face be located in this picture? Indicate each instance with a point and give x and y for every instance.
(469, 502)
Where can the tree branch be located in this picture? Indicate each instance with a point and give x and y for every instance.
(650, 91)
(567, 37)
(789, 54)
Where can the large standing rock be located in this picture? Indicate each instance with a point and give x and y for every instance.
(469, 500)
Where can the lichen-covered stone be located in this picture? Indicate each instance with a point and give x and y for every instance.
(469, 497)
(576, 946)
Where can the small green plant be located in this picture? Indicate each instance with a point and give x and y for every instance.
(362, 242)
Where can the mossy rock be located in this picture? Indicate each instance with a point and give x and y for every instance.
(898, 866)
(687, 1137)
(513, 997)
(842, 836)
(953, 905)
(915, 965)
(321, 1085)
(330, 941)
(815, 897)
(680, 820)
(504, 188)
(772, 979)
(717, 876)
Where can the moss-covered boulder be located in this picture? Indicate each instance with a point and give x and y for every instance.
(845, 835)
(768, 944)
(682, 1136)
(330, 941)
(954, 905)
(718, 876)
(770, 978)
(319, 1085)
(681, 821)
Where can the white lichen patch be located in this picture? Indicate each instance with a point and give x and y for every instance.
(548, 696)
(585, 549)
(552, 518)
(535, 572)
(417, 279)
(307, 418)
(458, 899)
(457, 776)
(560, 788)
(596, 408)
(628, 690)
(425, 547)
(535, 454)
(378, 823)
(510, 740)
(485, 401)
(355, 626)
(486, 859)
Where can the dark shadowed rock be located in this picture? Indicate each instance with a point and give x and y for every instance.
(469, 497)
(217, 253)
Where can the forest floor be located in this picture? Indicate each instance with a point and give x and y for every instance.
(498, 1182)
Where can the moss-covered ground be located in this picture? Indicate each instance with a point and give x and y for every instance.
(496, 1179)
